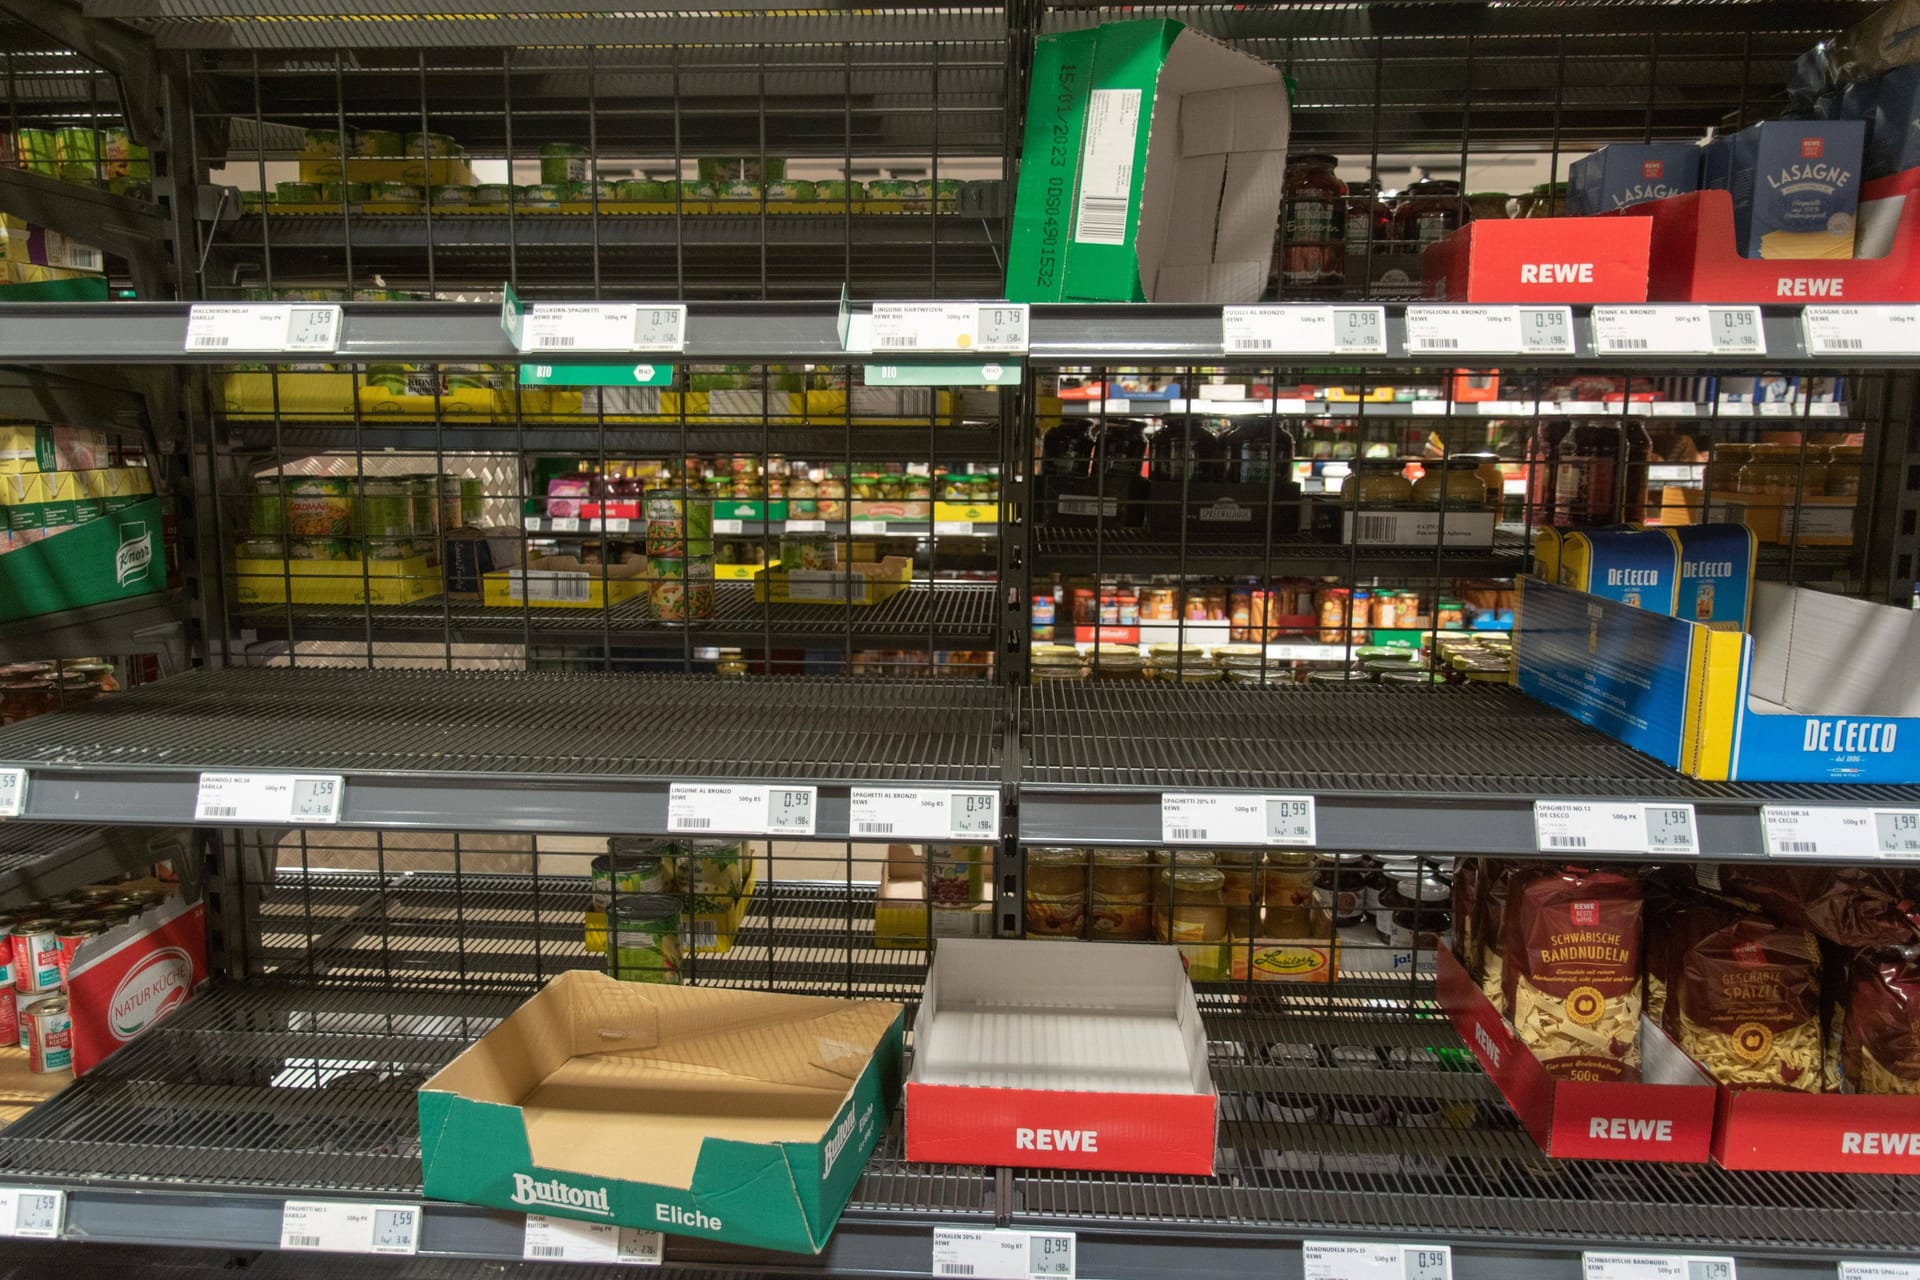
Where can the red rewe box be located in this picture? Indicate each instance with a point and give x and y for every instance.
(1694, 259)
(133, 976)
(1816, 1132)
(1539, 260)
(1667, 1116)
(1060, 1055)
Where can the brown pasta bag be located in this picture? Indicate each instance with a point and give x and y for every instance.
(1749, 997)
(1572, 949)
(1882, 1021)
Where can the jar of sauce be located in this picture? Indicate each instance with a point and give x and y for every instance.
(1377, 483)
(1368, 221)
(1549, 200)
(1313, 232)
(1483, 205)
(1455, 487)
(1197, 907)
(1428, 213)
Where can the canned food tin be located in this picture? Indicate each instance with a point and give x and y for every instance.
(646, 940)
(696, 190)
(562, 162)
(21, 1002)
(837, 190)
(677, 526)
(49, 1036)
(431, 144)
(97, 892)
(38, 151)
(141, 899)
(493, 193)
(946, 190)
(639, 189)
(592, 188)
(717, 169)
(390, 549)
(393, 193)
(125, 158)
(452, 194)
(328, 550)
(545, 195)
(269, 507)
(78, 150)
(320, 507)
(472, 500)
(36, 955)
(70, 936)
(790, 190)
(890, 189)
(378, 142)
(344, 192)
(321, 142)
(10, 1032)
(385, 510)
(297, 192)
(681, 590)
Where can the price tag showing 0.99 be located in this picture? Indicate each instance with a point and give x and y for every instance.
(1546, 331)
(1225, 817)
(750, 809)
(1004, 1255)
(1304, 330)
(1329, 1260)
(915, 813)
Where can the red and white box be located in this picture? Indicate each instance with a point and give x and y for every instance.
(1060, 1055)
(1817, 1132)
(133, 976)
(1666, 1116)
(1540, 260)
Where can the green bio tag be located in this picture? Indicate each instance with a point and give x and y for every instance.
(596, 375)
(945, 374)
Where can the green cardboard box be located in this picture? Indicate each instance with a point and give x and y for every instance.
(113, 557)
(730, 1115)
(1151, 171)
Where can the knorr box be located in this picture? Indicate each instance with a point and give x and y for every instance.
(729, 1115)
(1151, 170)
(113, 557)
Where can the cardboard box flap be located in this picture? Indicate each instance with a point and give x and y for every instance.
(1821, 654)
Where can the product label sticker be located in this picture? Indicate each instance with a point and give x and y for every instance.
(1659, 330)
(1304, 330)
(1332, 1260)
(13, 792)
(32, 1213)
(1576, 826)
(338, 1226)
(1654, 1266)
(257, 327)
(1822, 831)
(868, 528)
(1736, 331)
(604, 326)
(728, 526)
(950, 326)
(1106, 166)
(1223, 817)
(952, 528)
(1445, 330)
(564, 1240)
(1855, 331)
(269, 799)
(916, 813)
(1880, 1271)
(1003, 1255)
(740, 809)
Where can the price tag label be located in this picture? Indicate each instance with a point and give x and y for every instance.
(1216, 817)
(1897, 830)
(950, 326)
(1003, 1255)
(1654, 1266)
(263, 328)
(1458, 330)
(13, 792)
(1294, 330)
(806, 526)
(735, 808)
(1328, 1260)
(953, 528)
(729, 526)
(269, 799)
(1857, 331)
(1880, 1271)
(1546, 331)
(1658, 330)
(1574, 826)
(604, 326)
(870, 527)
(1736, 331)
(32, 1213)
(1820, 832)
(616, 524)
(565, 524)
(339, 1226)
(564, 1240)
(914, 813)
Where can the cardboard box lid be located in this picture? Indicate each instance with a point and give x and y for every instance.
(589, 1059)
(1820, 654)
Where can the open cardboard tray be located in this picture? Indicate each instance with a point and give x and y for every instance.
(1060, 1055)
(1667, 1117)
(1816, 1132)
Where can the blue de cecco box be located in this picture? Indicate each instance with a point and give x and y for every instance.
(1703, 573)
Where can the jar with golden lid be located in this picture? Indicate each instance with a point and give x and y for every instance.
(1843, 470)
(1455, 485)
(1377, 483)
(1123, 873)
(1196, 907)
(1057, 869)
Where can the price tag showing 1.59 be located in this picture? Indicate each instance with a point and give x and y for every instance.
(915, 813)
(13, 792)
(1654, 1266)
(563, 1240)
(269, 798)
(1330, 1260)
(272, 327)
(734, 808)
(1003, 1255)
(32, 1213)
(1226, 817)
(337, 1226)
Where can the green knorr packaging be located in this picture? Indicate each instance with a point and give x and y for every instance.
(730, 1115)
(113, 557)
(1151, 170)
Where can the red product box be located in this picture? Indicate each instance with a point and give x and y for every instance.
(133, 976)
(1060, 1055)
(1667, 1116)
(1694, 258)
(1816, 1132)
(1539, 260)
(1107, 633)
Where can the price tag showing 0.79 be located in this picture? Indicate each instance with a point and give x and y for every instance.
(1329, 1260)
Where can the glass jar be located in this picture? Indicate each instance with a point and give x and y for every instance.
(1341, 895)
(1238, 869)
(1286, 894)
(831, 504)
(1483, 205)
(1051, 915)
(1123, 873)
(1119, 919)
(918, 489)
(1428, 213)
(865, 488)
(1587, 471)
(1377, 483)
(1334, 605)
(802, 498)
(1368, 220)
(1196, 906)
(953, 488)
(1547, 200)
(1059, 871)
(1456, 486)
(1843, 471)
(1313, 247)
(1118, 664)
(1449, 615)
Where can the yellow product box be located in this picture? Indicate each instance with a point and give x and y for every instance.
(971, 512)
(741, 572)
(376, 582)
(454, 402)
(712, 930)
(902, 920)
(563, 582)
(1310, 960)
(441, 171)
(43, 446)
(299, 394)
(860, 583)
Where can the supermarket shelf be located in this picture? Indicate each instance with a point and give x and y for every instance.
(956, 614)
(41, 859)
(1391, 770)
(1148, 407)
(502, 750)
(145, 624)
(1075, 550)
(805, 331)
(259, 1092)
(973, 441)
(609, 231)
(860, 528)
(124, 227)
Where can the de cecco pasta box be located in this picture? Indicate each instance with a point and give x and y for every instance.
(1703, 573)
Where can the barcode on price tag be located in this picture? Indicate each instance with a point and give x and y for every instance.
(1855, 331)
(733, 808)
(914, 813)
(339, 1226)
(1660, 330)
(867, 528)
(950, 326)
(1331, 1260)
(271, 327)
(1220, 817)
(1460, 330)
(13, 792)
(1654, 1266)
(1880, 1271)
(1004, 1255)
(1578, 826)
(1819, 832)
(604, 326)
(564, 1240)
(1303, 330)
(268, 798)
(32, 1213)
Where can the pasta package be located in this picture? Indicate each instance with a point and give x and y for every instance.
(1749, 996)
(1490, 905)
(1668, 918)
(1466, 888)
(1882, 1021)
(1571, 945)
(1850, 906)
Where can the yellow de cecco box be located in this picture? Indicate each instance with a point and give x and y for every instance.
(1703, 573)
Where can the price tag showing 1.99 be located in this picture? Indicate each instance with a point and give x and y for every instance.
(13, 792)
(1330, 1260)
(1898, 829)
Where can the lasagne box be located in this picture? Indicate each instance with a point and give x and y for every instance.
(1666, 1116)
(730, 1115)
(1151, 170)
(1631, 173)
(1822, 689)
(1796, 187)
(1060, 1055)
